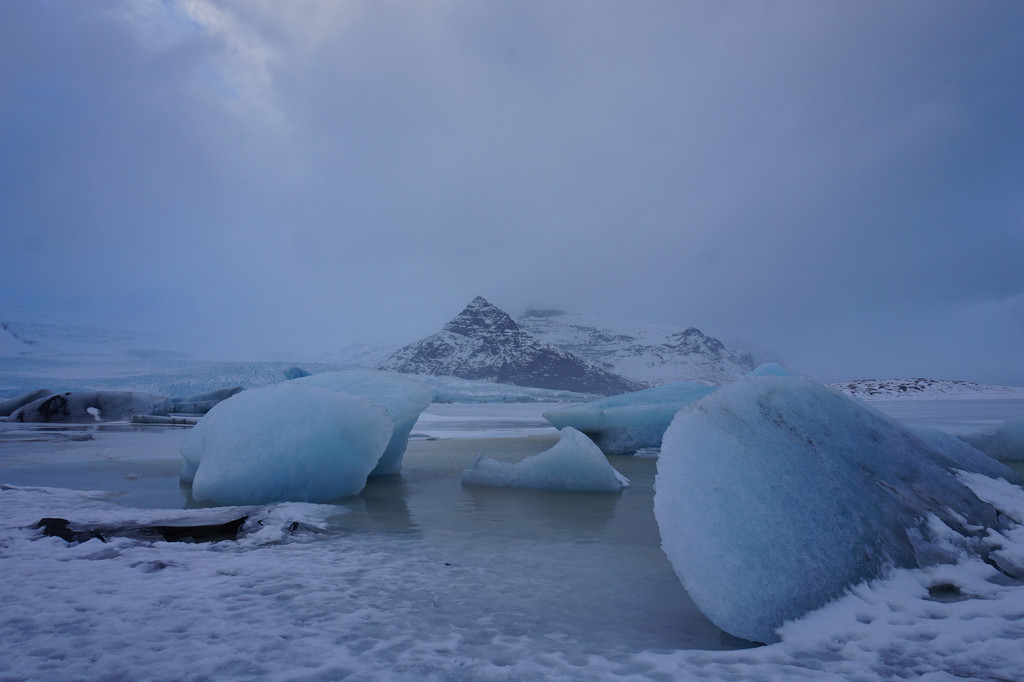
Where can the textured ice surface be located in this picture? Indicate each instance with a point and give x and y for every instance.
(1005, 442)
(201, 403)
(10, 405)
(774, 495)
(402, 398)
(573, 463)
(91, 406)
(771, 369)
(623, 424)
(286, 443)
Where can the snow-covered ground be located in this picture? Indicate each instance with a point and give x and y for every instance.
(419, 577)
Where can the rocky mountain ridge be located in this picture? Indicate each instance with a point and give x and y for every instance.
(485, 343)
(647, 353)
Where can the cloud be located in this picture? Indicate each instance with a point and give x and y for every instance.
(840, 182)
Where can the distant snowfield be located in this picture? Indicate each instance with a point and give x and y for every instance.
(419, 577)
(926, 389)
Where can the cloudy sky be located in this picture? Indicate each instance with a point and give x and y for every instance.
(842, 182)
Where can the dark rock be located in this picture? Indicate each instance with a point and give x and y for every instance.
(76, 532)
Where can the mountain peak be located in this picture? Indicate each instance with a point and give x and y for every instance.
(481, 316)
(483, 342)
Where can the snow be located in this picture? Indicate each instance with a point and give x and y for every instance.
(574, 463)
(401, 397)
(288, 442)
(926, 389)
(1005, 442)
(625, 423)
(651, 354)
(454, 583)
(775, 495)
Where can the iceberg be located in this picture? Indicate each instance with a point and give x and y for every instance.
(573, 463)
(403, 398)
(775, 495)
(91, 406)
(7, 407)
(623, 424)
(282, 443)
(1005, 442)
(201, 403)
(770, 369)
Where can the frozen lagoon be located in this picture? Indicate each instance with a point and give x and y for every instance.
(417, 577)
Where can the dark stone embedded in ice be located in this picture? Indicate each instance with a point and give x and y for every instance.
(79, 532)
(91, 406)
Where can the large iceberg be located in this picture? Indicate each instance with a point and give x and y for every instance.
(201, 403)
(623, 424)
(1005, 442)
(774, 495)
(573, 463)
(288, 442)
(91, 406)
(403, 398)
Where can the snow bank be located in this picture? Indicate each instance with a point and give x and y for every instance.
(774, 495)
(401, 397)
(574, 463)
(285, 443)
(1006, 442)
(623, 424)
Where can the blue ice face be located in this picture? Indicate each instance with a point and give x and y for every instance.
(402, 397)
(574, 463)
(285, 443)
(775, 494)
(625, 423)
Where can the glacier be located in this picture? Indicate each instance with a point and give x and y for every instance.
(775, 495)
(288, 442)
(573, 463)
(91, 406)
(625, 423)
(402, 398)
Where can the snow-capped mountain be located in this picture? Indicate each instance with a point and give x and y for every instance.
(924, 389)
(648, 353)
(483, 342)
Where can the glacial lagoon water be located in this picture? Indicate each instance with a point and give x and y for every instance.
(588, 566)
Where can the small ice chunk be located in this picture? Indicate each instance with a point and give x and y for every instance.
(775, 494)
(623, 424)
(285, 443)
(574, 463)
(402, 397)
(1006, 442)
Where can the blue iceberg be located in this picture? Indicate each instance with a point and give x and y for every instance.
(775, 494)
(623, 424)
(573, 463)
(287, 442)
(402, 397)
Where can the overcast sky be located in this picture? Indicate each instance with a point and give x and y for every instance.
(841, 182)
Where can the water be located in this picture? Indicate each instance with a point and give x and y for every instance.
(585, 567)
(952, 416)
